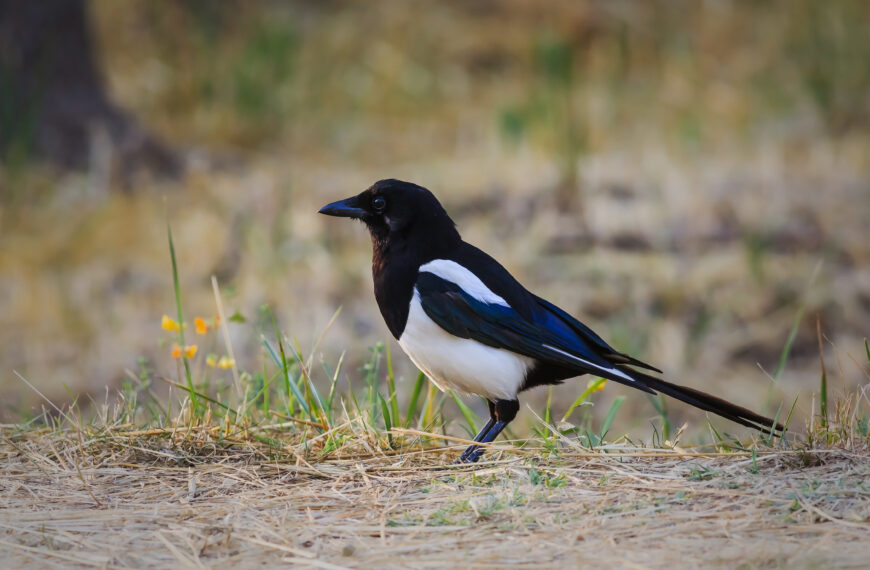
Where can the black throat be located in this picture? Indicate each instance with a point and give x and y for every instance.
(397, 255)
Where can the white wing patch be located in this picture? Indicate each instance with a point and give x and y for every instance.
(465, 279)
(466, 364)
(587, 363)
(461, 363)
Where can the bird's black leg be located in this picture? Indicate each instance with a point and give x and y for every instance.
(501, 413)
(480, 435)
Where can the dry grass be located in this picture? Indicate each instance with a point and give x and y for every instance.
(194, 497)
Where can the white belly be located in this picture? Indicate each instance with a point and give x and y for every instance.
(462, 364)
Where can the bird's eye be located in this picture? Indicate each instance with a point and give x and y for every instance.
(378, 203)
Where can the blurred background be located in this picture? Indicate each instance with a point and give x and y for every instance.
(692, 179)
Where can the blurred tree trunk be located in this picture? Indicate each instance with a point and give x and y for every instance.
(53, 102)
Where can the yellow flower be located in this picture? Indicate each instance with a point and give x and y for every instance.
(596, 385)
(211, 360)
(225, 363)
(170, 324)
(201, 327)
(188, 351)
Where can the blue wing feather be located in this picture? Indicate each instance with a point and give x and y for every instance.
(500, 326)
(557, 341)
(556, 318)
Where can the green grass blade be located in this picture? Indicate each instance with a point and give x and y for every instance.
(786, 350)
(372, 369)
(252, 402)
(275, 358)
(592, 440)
(207, 398)
(194, 400)
(823, 388)
(470, 417)
(790, 412)
(593, 386)
(388, 423)
(415, 396)
(330, 399)
(768, 437)
(611, 415)
(549, 409)
(717, 437)
(291, 386)
(823, 398)
(792, 335)
(267, 385)
(352, 393)
(391, 385)
(661, 406)
(428, 418)
(317, 403)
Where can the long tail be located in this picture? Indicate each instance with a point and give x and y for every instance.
(701, 400)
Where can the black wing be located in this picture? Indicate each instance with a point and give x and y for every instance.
(561, 340)
(499, 326)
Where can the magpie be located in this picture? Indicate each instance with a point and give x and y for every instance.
(467, 324)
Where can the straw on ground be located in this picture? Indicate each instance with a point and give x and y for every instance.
(154, 499)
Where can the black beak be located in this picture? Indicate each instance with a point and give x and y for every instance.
(348, 208)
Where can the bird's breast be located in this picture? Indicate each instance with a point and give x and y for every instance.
(459, 363)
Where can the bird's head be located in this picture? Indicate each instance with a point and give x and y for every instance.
(398, 212)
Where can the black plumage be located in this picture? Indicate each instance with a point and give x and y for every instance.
(467, 323)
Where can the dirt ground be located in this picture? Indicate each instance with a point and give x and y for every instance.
(145, 504)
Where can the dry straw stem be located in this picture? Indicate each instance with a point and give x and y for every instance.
(226, 334)
(159, 498)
